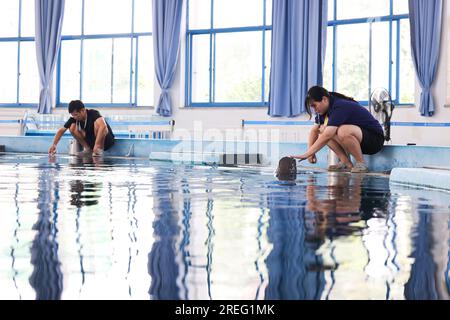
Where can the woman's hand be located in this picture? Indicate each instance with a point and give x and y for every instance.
(300, 157)
(312, 159)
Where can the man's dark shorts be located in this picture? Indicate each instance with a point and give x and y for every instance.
(109, 141)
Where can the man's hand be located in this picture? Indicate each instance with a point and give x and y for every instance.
(98, 152)
(52, 149)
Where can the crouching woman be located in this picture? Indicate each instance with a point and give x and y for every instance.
(345, 126)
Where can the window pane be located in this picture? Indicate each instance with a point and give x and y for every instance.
(199, 14)
(328, 66)
(238, 13)
(269, 12)
(380, 55)
(268, 64)
(72, 18)
(97, 71)
(27, 20)
(107, 16)
(143, 16)
(70, 70)
(200, 68)
(394, 94)
(9, 19)
(121, 71)
(146, 72)
(133, 71)
(349, 9)
(238, 67)
(407, 72)
(401, 7)
(29, 76)
(353, 61)
(8, 65)
(330, 10)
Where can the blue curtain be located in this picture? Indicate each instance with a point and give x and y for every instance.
(167, 16)
(298, 53)
(425, 18)
(49, 19)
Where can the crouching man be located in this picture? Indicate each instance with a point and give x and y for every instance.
(88, 127)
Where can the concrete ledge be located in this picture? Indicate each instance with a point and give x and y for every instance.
(421, 177)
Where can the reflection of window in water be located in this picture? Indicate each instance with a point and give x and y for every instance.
(84, 193)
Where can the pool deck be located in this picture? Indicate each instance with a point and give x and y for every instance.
(435, 178)
(424, 166)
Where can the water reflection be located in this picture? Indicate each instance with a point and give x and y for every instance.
(161, 260)
(84, 193)
(160, 231)
(429, 271)
(307, 218)
(334, 209)
(294, 267)
(46, 278)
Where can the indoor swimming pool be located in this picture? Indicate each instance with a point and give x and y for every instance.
(116, 228)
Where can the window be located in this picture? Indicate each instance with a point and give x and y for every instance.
(228, 52)
(368, 47)
(106, 59)
(19, 82)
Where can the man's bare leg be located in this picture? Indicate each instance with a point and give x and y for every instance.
(79, 137)
(100, 136)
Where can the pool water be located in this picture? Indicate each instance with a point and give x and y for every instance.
(135, 229)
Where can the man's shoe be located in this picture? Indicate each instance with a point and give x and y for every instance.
(360, 168)
(98, 153)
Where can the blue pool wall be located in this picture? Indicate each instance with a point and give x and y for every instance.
(392, 156)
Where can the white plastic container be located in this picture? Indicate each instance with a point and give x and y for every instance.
(74, 147)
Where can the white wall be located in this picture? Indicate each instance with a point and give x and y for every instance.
(230, 118)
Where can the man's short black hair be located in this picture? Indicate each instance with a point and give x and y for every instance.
(75, 106)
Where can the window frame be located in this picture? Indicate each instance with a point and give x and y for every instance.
(134, 62)
(212, 32)
(391, 18)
